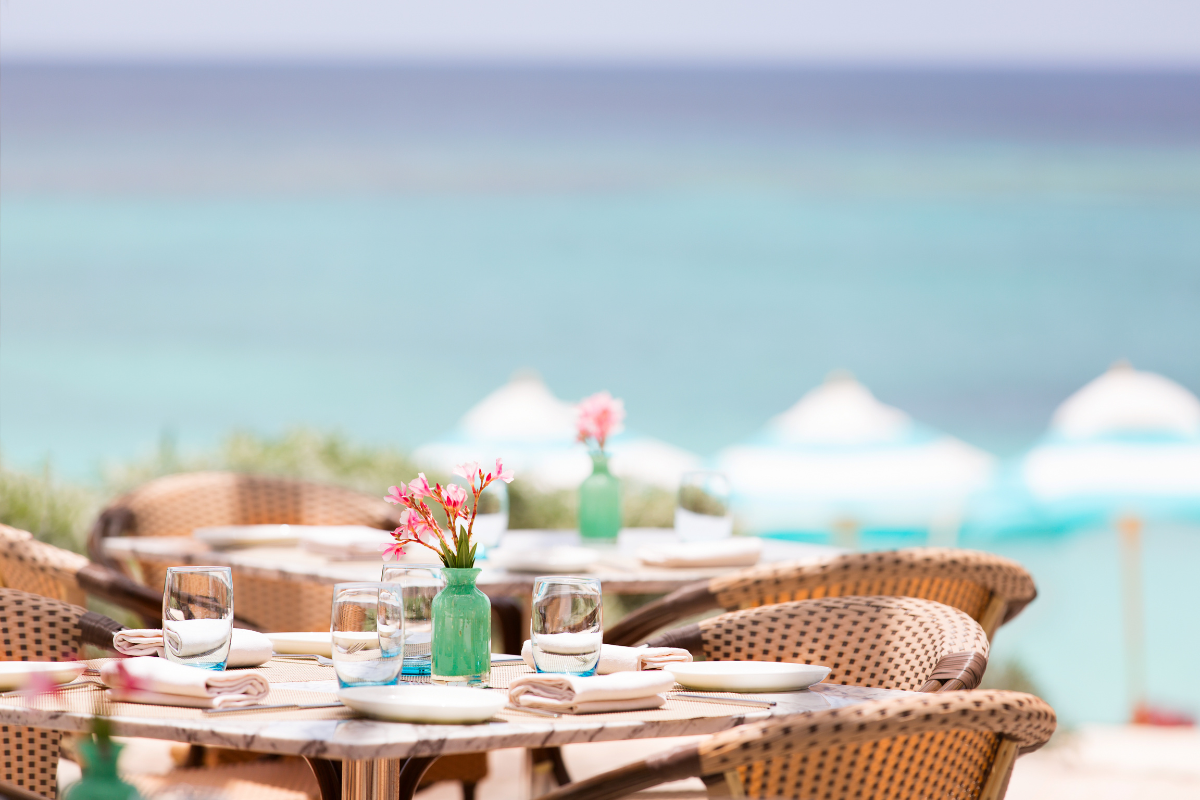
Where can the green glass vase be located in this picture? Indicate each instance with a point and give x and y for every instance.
(462, 632)
(100, 780)
(600, 502)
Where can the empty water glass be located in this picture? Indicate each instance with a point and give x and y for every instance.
(419, 584)
(367, 628)
(198, 616)
(567, 626)
(491, 519)
(702, 513)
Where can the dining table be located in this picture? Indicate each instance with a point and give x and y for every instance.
(356, 758)
(616, 565)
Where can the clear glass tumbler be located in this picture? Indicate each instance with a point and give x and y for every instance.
(491, 521)
(567, 626)
(367, 627)
(419, 584)
(198, 616)
(702, 513)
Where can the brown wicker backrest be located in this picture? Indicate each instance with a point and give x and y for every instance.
(34, 628)
(176, 504)
(958, 745)
(33, 566)
(991, 589)
(878, 642)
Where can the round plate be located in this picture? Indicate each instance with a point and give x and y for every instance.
(15, 674)
(248, 535)
(548, 560)
(436, 704)
(748, 676)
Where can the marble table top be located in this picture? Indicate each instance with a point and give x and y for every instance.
(362, 739)
(618, 570)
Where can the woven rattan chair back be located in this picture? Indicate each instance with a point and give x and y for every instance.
(991, 589)
(32, 566)
(956, 745)
(876, 642)
(35, 628)
(177, 504)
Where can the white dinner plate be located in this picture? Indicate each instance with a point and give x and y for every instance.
(15, 674)
(248, 535)
(748, 676)
(318, 643)
(434, 704)
(547, 560)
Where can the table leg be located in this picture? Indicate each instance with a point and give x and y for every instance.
(377, 779)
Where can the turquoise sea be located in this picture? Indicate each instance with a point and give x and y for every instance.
(195, 248)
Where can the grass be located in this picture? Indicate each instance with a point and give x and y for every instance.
(60, 513)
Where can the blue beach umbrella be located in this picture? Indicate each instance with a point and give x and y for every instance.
(534, 432)
(841, 461)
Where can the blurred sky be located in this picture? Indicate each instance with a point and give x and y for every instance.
(1018, 32)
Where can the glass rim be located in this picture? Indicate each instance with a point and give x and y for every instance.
(192, 568)
(339, 587)
(565, 579)
(414, 566)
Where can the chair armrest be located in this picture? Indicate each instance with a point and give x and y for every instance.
(673, 765)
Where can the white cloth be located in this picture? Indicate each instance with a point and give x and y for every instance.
(246, 649)
(571, 694)
(148, 679)
(740, 551)
(615, 658)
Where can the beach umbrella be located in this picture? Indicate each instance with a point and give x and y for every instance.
(841, 460)
(534, 432)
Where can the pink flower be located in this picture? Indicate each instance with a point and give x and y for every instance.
(454, 496)
(600, 416)
(395, 495)
(121, 679)
(393, 549)
(500, 474)
(468, 470)
(419, 487)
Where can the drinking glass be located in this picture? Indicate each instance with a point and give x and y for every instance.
(367, 627)
(419, 584)
(702, 513)
(198, 616)
(567, 627)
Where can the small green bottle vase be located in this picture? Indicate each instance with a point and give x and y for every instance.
(600, 502)
(100, 781)
(462, 632)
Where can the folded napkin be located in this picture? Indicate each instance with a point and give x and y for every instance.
(162, 682)
(247, 648)
(741, 551)
(615, 658)
(571, 694)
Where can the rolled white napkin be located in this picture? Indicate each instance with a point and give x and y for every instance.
(615, 658)
(740, 551)
(246, 649)
(571, 694)
(162, 682)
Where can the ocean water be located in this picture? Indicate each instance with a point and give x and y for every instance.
(194, 249)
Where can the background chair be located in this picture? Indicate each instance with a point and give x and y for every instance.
(958, 744)
(43, 569)
(991, 589)
(877, 642)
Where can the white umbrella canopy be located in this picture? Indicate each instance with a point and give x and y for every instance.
(534, 432)
(841, 455)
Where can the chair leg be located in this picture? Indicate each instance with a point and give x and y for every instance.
(552, 757)
(329, 777)
(468, 790)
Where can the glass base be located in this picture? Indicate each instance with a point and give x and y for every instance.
(416, 667)
(344, 685)
(481, 680)
(587, 674)
(213, 666)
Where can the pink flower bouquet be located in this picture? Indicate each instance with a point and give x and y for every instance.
(600, 416)
(418, 525)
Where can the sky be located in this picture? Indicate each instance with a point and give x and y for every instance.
(1021, 33)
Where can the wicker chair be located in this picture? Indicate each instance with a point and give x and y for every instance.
(32, 566)
(991, 589)
(37, 628)
(176, 504)
(958, 744)
(877, 642)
